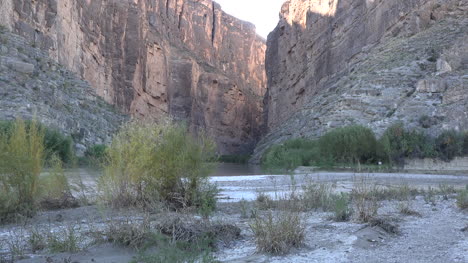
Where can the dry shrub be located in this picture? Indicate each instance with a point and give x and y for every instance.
(264, 201)
(65, 240)
(313, 196)
(405, 208)
(194, 231)
(462, 199)
(21, 162)
(365, 200)
(37, 240)
(151, 162)
(386, 224)
(430, 196)
(277, 234)
(129, 233)
(139, 234)
(317, 196)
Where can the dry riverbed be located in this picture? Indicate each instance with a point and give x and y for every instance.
(435, 231)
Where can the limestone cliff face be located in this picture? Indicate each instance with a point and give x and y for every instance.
(369, 62)
(186, 58)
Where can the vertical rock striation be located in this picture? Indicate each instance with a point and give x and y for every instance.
(186, 58)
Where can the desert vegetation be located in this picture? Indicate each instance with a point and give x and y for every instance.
(54, 142)
(21, 162)
(358, 147)
(149, 162)
(155, 199)
(150, 167)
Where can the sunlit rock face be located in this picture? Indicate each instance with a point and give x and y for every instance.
(370, 62)
(185, 58)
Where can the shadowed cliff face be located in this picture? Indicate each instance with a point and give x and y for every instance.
(185, 58)
(368, 62)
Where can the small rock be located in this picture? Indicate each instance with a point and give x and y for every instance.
(21, 66)
(59, 218)
(443, 66)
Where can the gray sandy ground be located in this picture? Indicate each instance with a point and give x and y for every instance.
(436, 236)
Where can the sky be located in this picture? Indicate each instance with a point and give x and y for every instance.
(264, 14)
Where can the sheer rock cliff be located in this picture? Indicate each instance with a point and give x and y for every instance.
(150, 58)
(369, 62)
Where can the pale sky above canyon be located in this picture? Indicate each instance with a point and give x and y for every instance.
(263, 13)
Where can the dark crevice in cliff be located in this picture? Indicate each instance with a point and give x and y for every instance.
(180, 15)
(213, 28)
(167, 8)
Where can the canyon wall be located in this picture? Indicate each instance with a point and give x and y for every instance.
(369, 62)
(185, 58)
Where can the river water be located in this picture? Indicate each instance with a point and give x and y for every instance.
(237, 182)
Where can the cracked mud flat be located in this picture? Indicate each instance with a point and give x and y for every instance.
(436, 236)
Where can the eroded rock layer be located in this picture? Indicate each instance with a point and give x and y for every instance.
(186, 58)
(34, 86)
(369, 62)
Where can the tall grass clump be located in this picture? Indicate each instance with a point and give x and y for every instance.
(151, 162)
(342, 210)
(315, 196)
(21, 162)
(365, 199)
(277, 234)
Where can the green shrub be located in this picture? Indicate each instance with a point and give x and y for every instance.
(58, 144)
(21, 162)
(465, 144)
(279, 157)
(55, 143)
(351, 144)
(291, 154)
(95, 155)
(148, 162)
(398, 144)
(449, 144)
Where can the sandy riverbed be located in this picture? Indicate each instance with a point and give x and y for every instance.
(435, 236)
